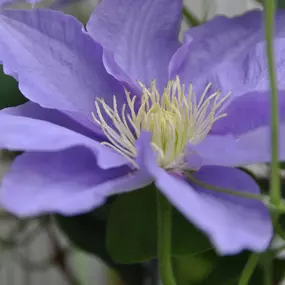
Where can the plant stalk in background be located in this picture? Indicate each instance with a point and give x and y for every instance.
(164, 222)
(269, 30)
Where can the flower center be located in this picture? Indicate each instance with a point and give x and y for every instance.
(174, 119)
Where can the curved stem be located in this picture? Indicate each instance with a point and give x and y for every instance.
(191, 19)
(224, 190)
(249, 269)
(277, 209)
(164, 221)
(269, 6)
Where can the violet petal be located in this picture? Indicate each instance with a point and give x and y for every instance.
(247, 113)
(213, 52)
(233, 223)
(141, 37)
(23, 133)
(243, 136)
(67, 182)
(249, 148)
(74, 121)
(56, 63)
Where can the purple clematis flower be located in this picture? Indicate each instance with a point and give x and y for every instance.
(124, 104)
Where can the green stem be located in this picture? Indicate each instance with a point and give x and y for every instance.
(269, 30)
(249, 269)
(267, 271)
(191, 19)
(164, 221)
(224, 190)
(277, 228)
(277, 209)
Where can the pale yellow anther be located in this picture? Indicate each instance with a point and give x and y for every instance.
(173, 117)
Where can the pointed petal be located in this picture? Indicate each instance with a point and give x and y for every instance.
(67, 182)
(233, 223)
(140, 37)
(71, 120)
(213, 44)
(56, 63)
(29, 134)
(249, 148)
(243, 136)
(247, 113)
(213, 52)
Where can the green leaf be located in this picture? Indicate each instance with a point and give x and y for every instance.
(281, 4)
(10, 95)
(187, 240)
(132, 225)
(210, 269)
(278, 270)
(193, 269)
(282, 164)
(131, 230)
(228, 271)
(88, 232)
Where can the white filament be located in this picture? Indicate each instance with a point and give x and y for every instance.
(173, 119)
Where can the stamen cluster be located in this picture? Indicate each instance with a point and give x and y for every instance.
(174, 119)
